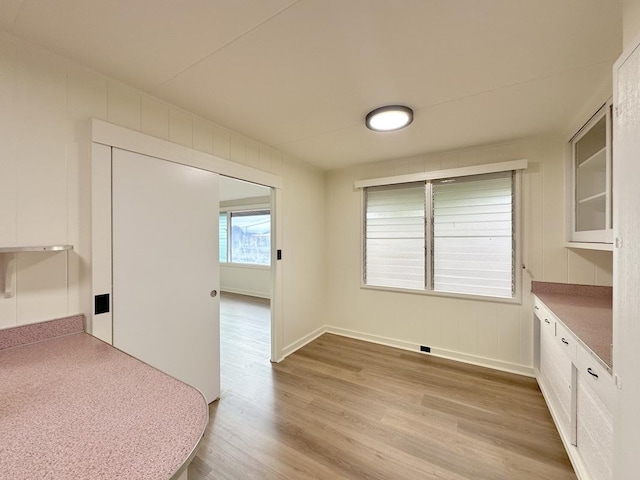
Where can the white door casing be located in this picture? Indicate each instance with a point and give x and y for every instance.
(165, 265)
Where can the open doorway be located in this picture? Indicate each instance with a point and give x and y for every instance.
(245, 254)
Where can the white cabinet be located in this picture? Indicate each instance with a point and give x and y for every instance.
(594, 433)
(591, 214)
(555, 374)
(579, 392)
(626, 258)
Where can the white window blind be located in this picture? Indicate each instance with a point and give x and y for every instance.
(473, 235)
(222, 232)
(395, 236)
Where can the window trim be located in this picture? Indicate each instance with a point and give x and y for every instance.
(449, 173)
(516, 166)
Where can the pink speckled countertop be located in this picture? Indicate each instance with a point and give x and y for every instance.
(585, 310)
(74, 407)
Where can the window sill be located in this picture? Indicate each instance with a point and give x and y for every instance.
(517, 300)
(245, 265)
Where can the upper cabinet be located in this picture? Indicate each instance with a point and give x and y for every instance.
(591, 213)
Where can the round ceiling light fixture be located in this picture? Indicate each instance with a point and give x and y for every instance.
(389, 118)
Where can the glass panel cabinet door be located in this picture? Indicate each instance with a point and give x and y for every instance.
(592, 180)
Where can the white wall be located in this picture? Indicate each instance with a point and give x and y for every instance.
(45, 106)
(251, 280)
(630, 22)
(485, 332)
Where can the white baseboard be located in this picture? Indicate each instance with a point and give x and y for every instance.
(249, 293)
(298, 344)
(389, 342)
(412, 347)
(438, 352)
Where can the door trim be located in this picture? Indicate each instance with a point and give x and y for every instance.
(104, 134)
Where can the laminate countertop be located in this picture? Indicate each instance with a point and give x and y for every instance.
(74, 407)
(585, 310)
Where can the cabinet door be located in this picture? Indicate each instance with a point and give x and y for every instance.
(594, 432)
(591, 149)
(555, 371)
(626, 315)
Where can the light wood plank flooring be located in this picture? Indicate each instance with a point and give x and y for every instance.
(341, 408)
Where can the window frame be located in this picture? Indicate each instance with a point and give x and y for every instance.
(228, 211)
(517, 166)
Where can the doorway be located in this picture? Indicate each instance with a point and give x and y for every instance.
(246, 255)
(107, 138)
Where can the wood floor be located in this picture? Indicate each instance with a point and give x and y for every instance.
(345, 409)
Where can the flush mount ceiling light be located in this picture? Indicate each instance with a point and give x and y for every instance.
(389, 118)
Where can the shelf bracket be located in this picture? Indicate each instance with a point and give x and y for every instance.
(7, 274)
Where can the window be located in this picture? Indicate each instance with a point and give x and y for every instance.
(452, 235)
(223, 244)
(245, 237)
(473, 232)
(395, 236)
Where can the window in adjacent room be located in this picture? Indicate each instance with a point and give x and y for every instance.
(245, 237)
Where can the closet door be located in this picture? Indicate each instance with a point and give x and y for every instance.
(165, 267)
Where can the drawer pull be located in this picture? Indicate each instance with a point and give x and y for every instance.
(536, 307)
(566, 343)
(591, 372)
(546, 320)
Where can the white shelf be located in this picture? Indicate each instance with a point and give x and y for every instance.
(592, 198)
(7, 263)
(585, 165)
(43, 248)
(605, 247)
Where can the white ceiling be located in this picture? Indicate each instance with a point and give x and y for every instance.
(233, 189)
(301, 75)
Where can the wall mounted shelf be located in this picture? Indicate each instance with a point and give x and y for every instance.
(43, 248)
(7, 263)
(605, 247)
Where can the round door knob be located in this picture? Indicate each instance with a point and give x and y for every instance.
(214, 293)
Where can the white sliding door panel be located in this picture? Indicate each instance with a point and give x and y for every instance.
(165, 265)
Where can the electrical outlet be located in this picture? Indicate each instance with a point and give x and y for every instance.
(101, 304)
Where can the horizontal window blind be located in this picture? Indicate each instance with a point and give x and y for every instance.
(473, 251)
(222, 235)
(395, 236)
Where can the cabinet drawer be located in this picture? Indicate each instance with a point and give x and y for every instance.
(567, 342)
(596, 377)
(542, 312)
(547, 320)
